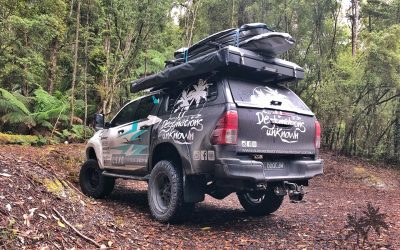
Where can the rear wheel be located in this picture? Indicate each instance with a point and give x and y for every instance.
(92, 182)
(260, 203)
(165, 194)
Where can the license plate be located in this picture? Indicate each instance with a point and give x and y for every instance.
(274, 165)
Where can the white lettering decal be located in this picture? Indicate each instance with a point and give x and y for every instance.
(279, 125)
(181, 129)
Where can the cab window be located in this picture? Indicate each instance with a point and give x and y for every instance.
(146, 106)
(126, 114)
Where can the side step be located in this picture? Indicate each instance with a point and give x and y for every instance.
(126, 176)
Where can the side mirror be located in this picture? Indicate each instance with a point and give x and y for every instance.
(98, 121)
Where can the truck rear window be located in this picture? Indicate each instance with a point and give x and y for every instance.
(270, 96)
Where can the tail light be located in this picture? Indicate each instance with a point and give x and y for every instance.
(226, 131)
(317, 135)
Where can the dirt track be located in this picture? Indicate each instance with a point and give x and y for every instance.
(123, 220)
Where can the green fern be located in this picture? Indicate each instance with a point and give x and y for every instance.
(11, 103)
(47, 109)
(17, 118)
(13, 109)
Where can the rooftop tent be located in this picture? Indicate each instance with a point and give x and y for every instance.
(231, 61)
(248, 36)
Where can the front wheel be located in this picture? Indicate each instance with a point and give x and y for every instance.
(92, 182)
(165, 194)
(260, 203)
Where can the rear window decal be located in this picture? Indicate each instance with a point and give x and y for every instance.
(268, 96)
(192, 95)
(264, 96)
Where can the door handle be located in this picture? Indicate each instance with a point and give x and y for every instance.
(121, 131)
(143, 127)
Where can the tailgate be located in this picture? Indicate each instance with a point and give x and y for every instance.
(272, 119)
(269, 131)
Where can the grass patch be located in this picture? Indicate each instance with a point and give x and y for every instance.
(54, 186)
(18, 139)
(368, 177)
(31, 140)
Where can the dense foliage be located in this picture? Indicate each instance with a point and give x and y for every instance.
(63, 60)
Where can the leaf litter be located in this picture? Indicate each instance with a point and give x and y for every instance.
(37, 180)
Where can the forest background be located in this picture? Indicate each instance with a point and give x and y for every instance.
(61, 61)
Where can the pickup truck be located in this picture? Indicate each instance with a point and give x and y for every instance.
(214, 134)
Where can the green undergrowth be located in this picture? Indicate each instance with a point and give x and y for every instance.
(32, 140)
(19, 139)
(75, 134)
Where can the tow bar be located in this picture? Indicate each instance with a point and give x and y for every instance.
(296, 192)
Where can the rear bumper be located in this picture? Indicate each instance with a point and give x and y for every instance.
(259, 172)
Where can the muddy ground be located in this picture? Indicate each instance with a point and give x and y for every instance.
(36, 183)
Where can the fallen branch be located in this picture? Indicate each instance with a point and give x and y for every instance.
(76, 230)
(4, 212)
(70, 185)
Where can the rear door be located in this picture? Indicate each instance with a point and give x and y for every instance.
(272, 119)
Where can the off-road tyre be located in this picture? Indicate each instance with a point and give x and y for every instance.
(260, 204)
(92, 182)
(165, 194)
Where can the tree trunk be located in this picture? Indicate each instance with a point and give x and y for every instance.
(195, 10)
(52, 65)
(74, 73)
(241, 12)
(25, 86)
(354, 26)
(233, 14)
(336, 14)
(85, 72)
(105, 80)
(397, 130)
(337, 140)
(71, 9)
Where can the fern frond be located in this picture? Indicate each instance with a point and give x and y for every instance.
(7, 96)
(8, 107)
(46, 124)
(45, 102)
(18, 118)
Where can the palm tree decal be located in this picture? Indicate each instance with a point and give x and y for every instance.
(264, 95)
(183, 103)
(189, 97)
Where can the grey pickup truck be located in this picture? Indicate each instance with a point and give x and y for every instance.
(217, 132)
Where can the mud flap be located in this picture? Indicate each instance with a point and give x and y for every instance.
(194, 188)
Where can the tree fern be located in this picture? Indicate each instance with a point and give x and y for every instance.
(11, 102)
(17, 118)
(49, 108)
